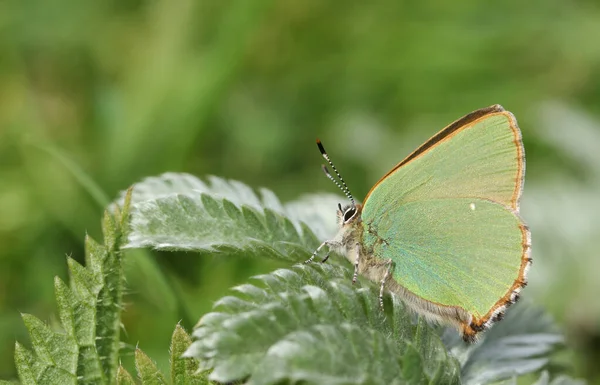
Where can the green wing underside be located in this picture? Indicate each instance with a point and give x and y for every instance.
(457, 252)
(444, 250)
(481, 161)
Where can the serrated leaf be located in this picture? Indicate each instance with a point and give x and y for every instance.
(40, 371)
(65, 308)
(183, 222)
(28, 367)
(110, 230)
(170, 184)
(78, 319)
(54, 375)
(126, 212)
(147, 370)
(124, 378)
(84, 283)
(347, 354)
(52, 349)
(184, 369)
(220, 199)
(295, 315)
(89, 310)
(519, 344)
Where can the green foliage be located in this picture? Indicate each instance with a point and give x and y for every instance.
(271, 332)
(274, 331)
(89, 310)
(123, 377)
(154, 193)
(131, 88)
(520, 344)
(225, 216)
(184, 371)
(304, 324)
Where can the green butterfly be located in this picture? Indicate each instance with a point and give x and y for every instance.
(442, 229)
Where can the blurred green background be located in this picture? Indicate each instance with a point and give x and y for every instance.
(94, 96)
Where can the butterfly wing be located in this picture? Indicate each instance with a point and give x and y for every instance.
(480, 155)
(461, 252)
(447, 216)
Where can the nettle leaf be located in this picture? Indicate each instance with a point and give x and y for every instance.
(89, 310)
(184, 370)
(520, 344)
(147, 370)
(181, 212)
(309, 324)
(124, 378)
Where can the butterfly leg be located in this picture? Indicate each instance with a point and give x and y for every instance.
(314, 254)
(330, 244)
(357, 251)
(388, 272)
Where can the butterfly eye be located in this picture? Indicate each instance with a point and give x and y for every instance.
(349, 213)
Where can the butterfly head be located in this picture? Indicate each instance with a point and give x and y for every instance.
(348, 215)
(349, 229)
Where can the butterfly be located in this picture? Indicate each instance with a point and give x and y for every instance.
(442, 230)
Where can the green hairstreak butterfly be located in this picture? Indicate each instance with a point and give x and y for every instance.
(442, 229)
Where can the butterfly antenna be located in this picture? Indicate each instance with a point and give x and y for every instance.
(341, 186)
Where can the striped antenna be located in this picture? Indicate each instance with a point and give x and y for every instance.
(341, 186)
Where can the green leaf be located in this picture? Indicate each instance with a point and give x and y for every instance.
(309, 325)
(147, 370)
(28, 367)
(345, 352)
(54, 350)
(34, 371)
(181, 222)
(89, 310)
(520, 344)
(183, 369)
(181, 212)
(170, 184)
(125, 211)
(123, 377)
